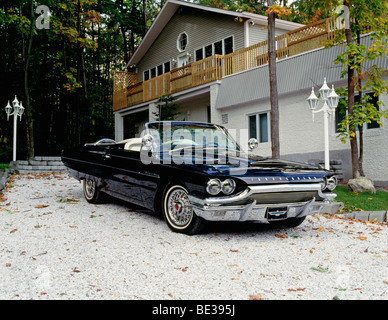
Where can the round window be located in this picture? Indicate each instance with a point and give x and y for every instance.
(182, 41)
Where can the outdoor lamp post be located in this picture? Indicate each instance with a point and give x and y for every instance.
(18, 110)
(330, 102)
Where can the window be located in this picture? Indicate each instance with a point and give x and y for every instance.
(182, 42)
(375, 101)
(228, 45)
(198, 54)
(208, 51)
(146, 75)
(222, 47)
(258, 127)
(160, 69)
(157, 71)
(167, 67)
(153, 73)
(218, 47)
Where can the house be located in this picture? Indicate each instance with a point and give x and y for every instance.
(215, 62)
(181, 54)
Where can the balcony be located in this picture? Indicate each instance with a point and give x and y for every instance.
(127, 92)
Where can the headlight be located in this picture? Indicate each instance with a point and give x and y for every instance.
(214, 187)
(331, 183)
(228, 186)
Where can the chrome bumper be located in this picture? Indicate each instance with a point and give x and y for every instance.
(247, 209)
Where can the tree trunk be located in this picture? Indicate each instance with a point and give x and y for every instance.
(353, 140)
(360, 128)
(29, 121)
(274, 100)
(144, 17)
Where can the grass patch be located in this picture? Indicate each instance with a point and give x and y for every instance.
(4, 166)
(361, 201)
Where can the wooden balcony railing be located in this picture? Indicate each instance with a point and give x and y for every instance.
(128, 93)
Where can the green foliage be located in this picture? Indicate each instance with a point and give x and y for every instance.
(167, 110)
(71, 67)
(365, 15)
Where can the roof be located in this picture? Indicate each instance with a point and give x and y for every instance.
(307, 69)
(171, 7)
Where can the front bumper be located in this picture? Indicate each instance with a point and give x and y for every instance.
(243, 206)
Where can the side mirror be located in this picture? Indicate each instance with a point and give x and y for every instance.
(252, 144)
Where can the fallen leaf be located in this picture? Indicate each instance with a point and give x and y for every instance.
(256, 297)
(14, 230)
(361, 238)
(41, 206)
(281, 235)
(297, 289)
(231, 250)
(73, 226)
(7, 265)
(320, 269)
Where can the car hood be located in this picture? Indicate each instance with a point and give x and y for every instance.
(250, 165)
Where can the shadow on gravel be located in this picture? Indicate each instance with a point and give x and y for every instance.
(211, 227)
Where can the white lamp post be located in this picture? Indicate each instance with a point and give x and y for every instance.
(330, 102)
(18, 110)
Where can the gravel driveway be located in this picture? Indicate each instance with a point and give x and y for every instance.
(54, 245)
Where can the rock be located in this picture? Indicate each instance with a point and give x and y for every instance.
(362, 185)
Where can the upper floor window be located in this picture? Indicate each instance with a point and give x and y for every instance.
(224, 46)
(182, 42)
(157, 71)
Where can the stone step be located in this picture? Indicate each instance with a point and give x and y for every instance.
(39, 165)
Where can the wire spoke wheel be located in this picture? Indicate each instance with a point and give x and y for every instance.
(178, 211)
(179, 208)
(90, 189)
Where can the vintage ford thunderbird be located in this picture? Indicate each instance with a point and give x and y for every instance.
(194, 172)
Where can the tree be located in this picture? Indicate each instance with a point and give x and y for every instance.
(273, 88)
(167, 110)
(64, 74)
(367, 15)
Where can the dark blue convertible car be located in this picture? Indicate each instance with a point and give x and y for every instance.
(194, 172)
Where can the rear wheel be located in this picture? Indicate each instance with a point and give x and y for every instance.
(91, 192)
(178, 212)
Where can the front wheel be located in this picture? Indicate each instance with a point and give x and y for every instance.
(178, 212)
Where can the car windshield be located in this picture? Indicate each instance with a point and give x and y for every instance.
(176, 136)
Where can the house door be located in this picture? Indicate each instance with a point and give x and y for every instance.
(182, 60)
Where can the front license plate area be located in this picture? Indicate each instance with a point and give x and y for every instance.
(277, 213)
